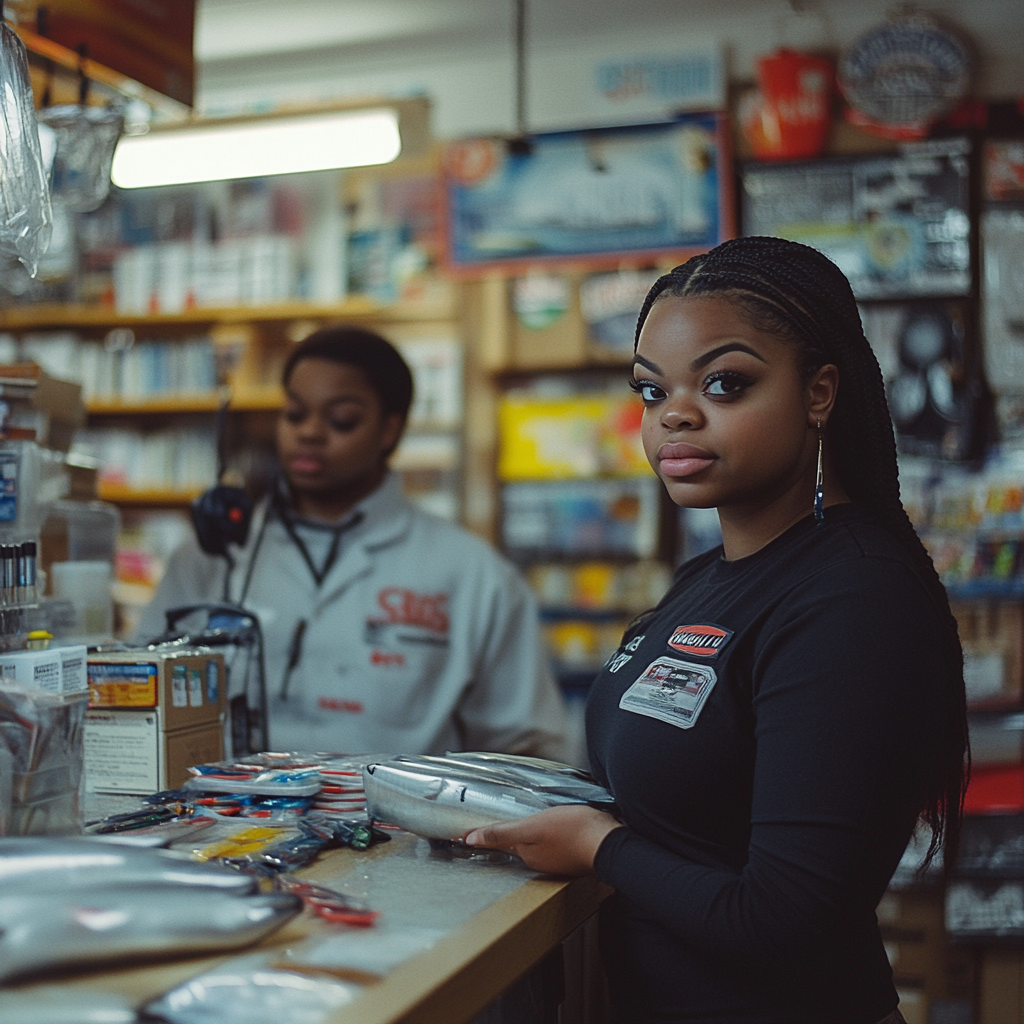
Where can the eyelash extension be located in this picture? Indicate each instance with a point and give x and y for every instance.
(741, 380)
(633, 384)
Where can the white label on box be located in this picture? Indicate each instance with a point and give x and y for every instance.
(212, 682)
(74, 674)
(122, 752)
(179, 686)
(46, 676)
(195, 688)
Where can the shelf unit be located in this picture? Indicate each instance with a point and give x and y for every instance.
(268, 399)
(57, 315)
(149, 497)
(264, 332)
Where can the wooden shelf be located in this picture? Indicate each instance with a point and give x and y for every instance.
(54, 53)
(264, 400)
(118, 494)
(41, 315)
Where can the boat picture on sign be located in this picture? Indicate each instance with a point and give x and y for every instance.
(588, 196)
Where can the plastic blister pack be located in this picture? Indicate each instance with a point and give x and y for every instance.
(25, 214)
(237, 994)
(245, 777)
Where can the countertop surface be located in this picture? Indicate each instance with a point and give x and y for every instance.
(452, 933)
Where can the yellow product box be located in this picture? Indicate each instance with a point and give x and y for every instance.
(129, 752)
(188, 686)
(578, 437)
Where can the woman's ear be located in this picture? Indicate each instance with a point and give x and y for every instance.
(821, 394)
(391, 432)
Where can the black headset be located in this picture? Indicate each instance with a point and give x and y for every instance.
(222, 515)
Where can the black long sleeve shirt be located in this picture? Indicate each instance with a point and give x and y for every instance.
(767, 735)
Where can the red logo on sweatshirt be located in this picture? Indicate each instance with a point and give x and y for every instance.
(703, 639)
(407, 608)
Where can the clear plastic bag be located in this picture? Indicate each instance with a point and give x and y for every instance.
(86, 138)
(238, 994)
(25, 216)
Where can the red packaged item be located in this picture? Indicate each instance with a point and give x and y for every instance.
(788, 118)
(995, 791)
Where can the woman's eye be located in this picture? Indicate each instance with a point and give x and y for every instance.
(344, 426)
(722, 384)
(647, 391)
(294, 415)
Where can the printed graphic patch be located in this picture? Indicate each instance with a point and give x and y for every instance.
(703, 639)
(672, 691)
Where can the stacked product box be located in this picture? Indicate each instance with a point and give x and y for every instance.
(152, 713)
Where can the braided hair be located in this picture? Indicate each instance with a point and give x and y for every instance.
(793, 292)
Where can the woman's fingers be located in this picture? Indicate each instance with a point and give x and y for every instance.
(561, 840)
(495, 837)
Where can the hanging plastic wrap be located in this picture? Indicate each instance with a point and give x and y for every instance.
(86, 138)
(25, 216)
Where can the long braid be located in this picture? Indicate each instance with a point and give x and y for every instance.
(794, 292)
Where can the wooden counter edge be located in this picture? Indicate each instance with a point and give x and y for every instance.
(463, 972)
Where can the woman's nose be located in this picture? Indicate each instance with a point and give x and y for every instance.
(310, 428)
(681, 413)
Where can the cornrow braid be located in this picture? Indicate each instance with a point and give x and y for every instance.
(794, 292)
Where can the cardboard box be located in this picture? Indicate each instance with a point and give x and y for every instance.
(53, 408)
(1001, 997)
(992, 634)
(129, 752)
(927, 970)
(558, 339)
(188, 686)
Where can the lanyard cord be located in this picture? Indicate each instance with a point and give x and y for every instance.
(275, 507)
(332, 555)
(295, 649)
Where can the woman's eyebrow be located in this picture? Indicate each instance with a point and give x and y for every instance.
(653, 367)
(733, 346)
(347, 400)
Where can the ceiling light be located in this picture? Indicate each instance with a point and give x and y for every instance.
(252, 149)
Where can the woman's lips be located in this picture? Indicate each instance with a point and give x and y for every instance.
(305, 464)
(679, 460)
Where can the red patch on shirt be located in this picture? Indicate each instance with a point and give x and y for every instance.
(704, 640)
(407, 608)
(354, 707)
(387, 658)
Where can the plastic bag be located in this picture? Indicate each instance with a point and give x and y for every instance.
(25, 216)
(237, 994)
(86, 138)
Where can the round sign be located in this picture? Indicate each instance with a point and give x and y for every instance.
(906, 73)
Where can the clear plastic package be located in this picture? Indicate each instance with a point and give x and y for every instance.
(41, 735)
(86, 137)
(25, 214)
(238, 994)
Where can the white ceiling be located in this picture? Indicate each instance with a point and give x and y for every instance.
(256, 54)
(227, 29)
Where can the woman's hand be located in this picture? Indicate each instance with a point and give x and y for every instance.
(559, 841)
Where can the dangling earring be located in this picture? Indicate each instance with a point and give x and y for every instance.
(819, 489)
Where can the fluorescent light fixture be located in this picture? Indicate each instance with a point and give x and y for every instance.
(252, 149)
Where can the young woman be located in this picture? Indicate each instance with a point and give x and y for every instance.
(386, 629)
(775, 728)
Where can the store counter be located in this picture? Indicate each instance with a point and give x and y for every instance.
(452, 934)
